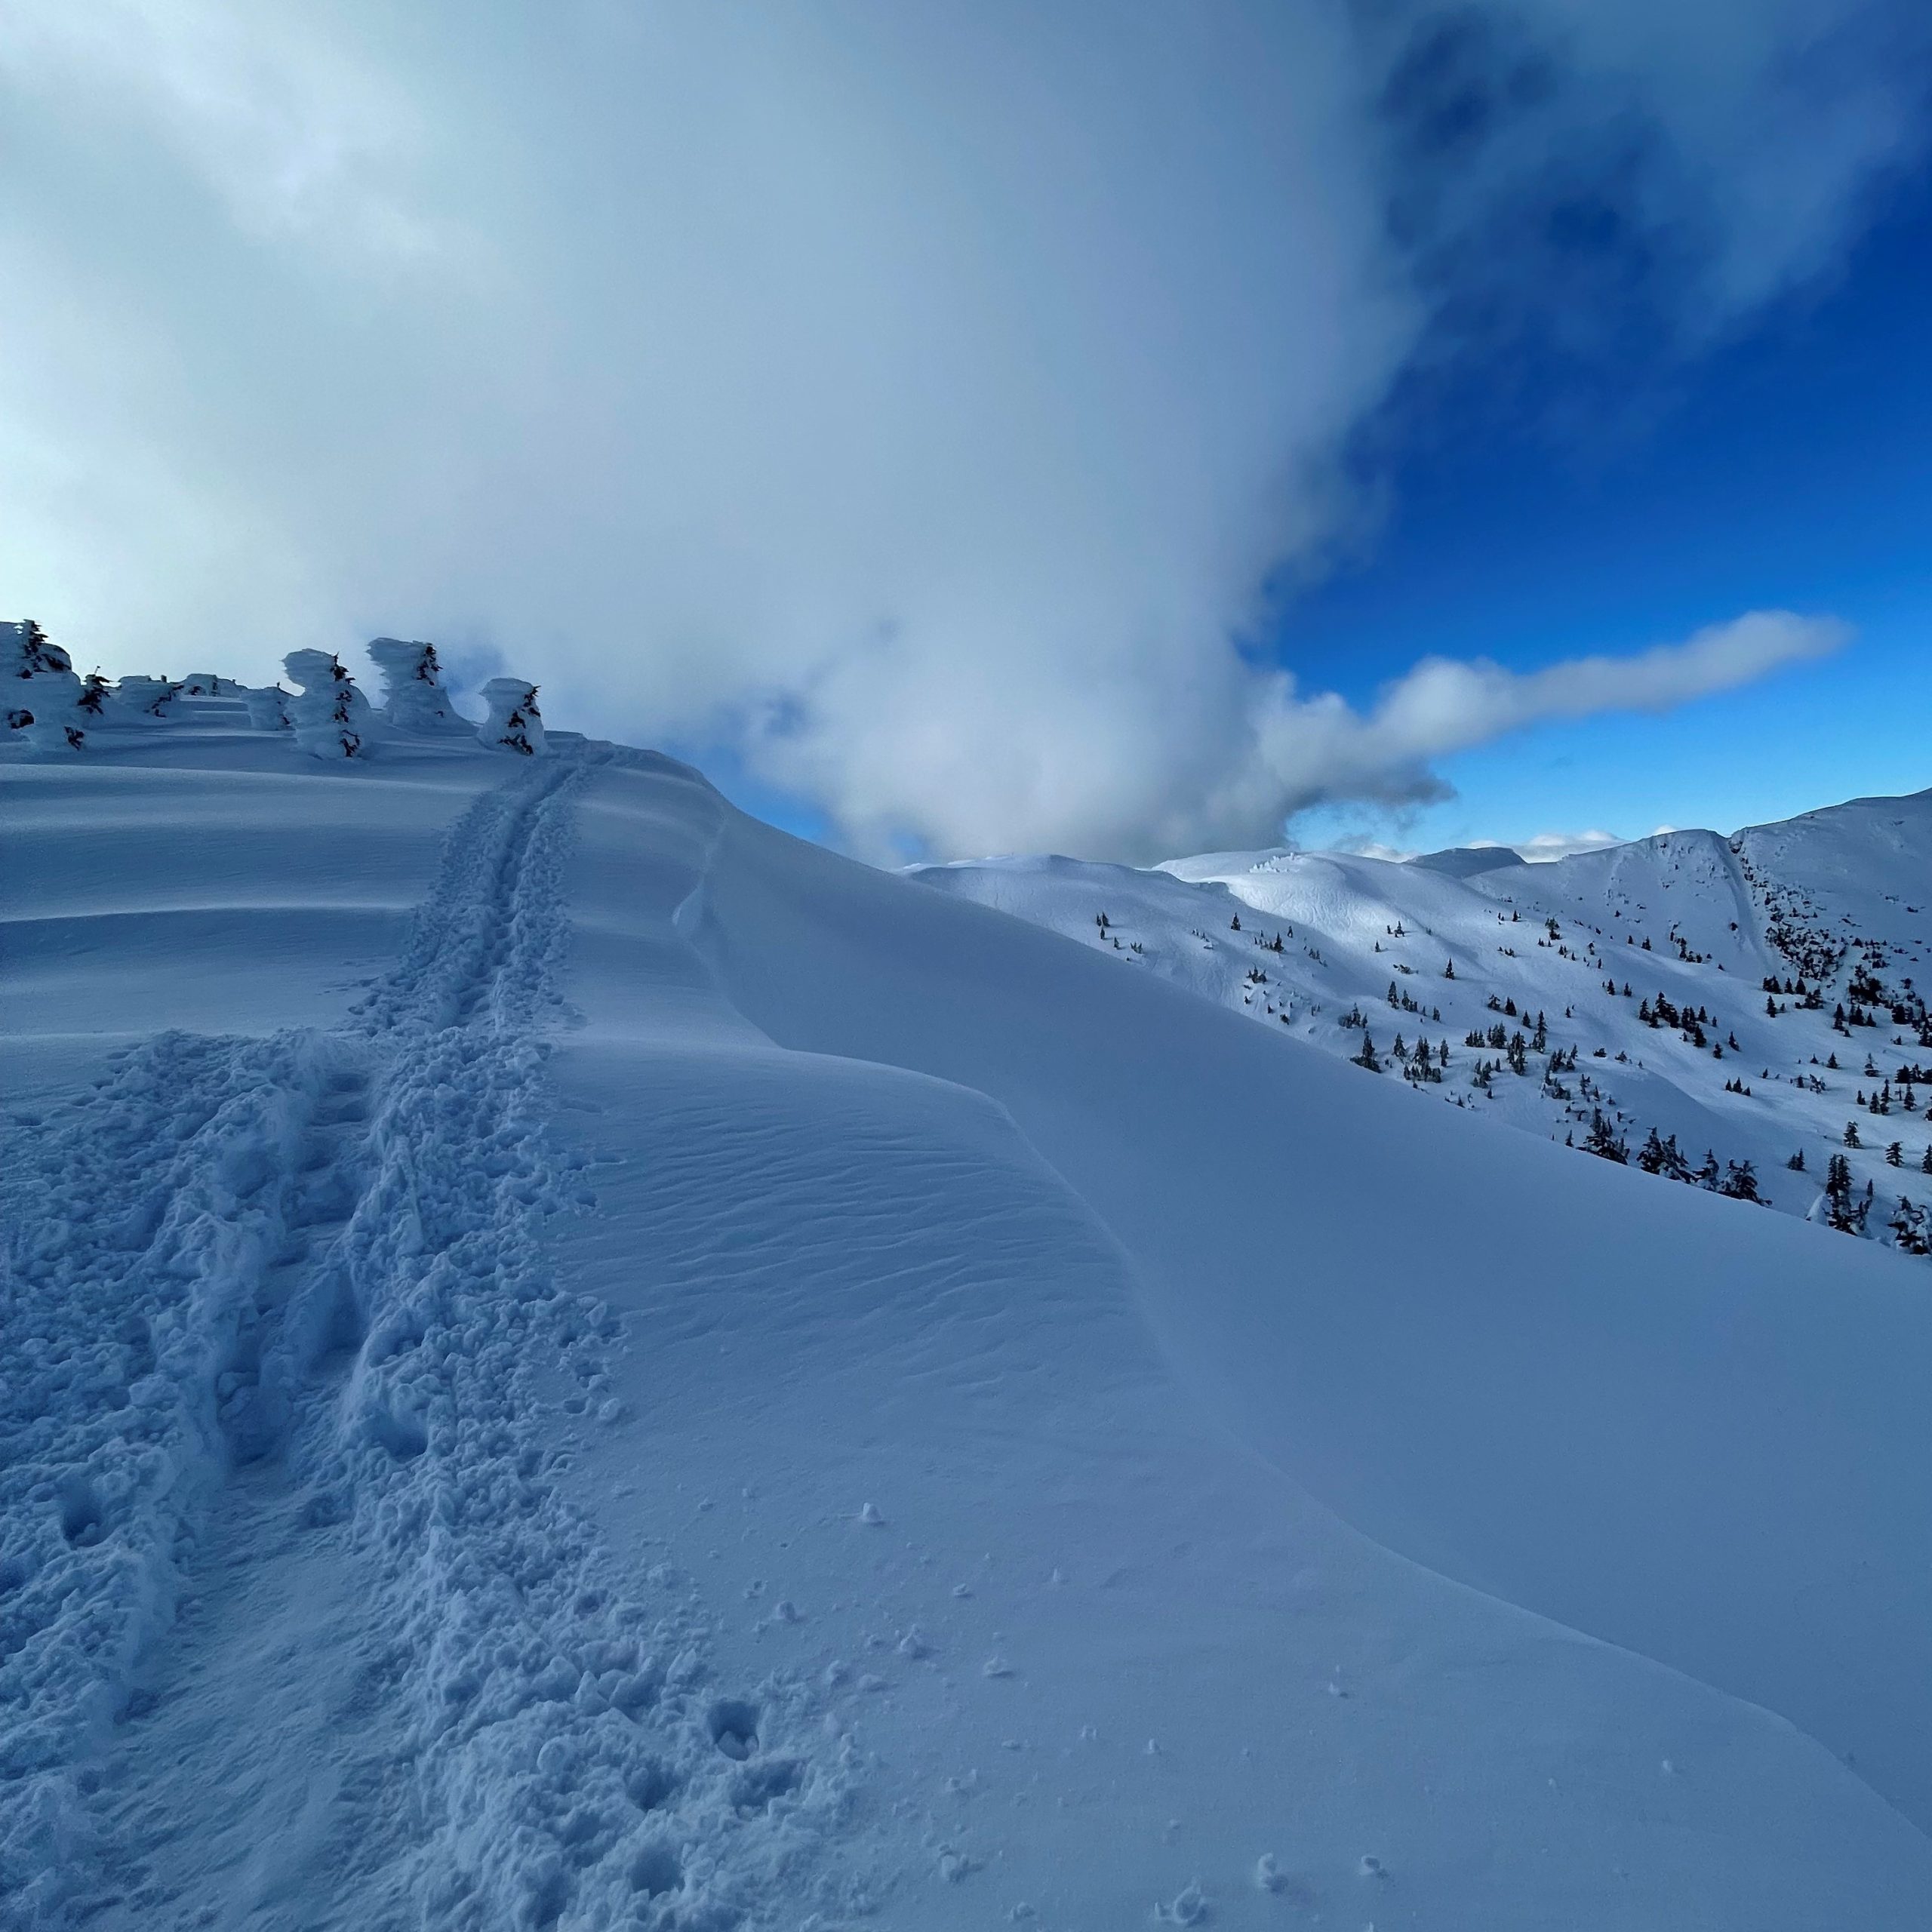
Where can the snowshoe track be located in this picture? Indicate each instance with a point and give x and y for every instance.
(283, 1325)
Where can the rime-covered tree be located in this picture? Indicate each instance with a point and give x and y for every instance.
(330, 715)
(514, 724)
(414, 699)
(267, 708)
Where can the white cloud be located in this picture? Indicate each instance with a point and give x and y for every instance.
(1546, 847)
(916, 397)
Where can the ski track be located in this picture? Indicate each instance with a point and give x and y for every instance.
(278, 1328)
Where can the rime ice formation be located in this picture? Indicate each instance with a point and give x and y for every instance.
(145, 697)
(267, 707)
(514, 723)
(414, 699)
(51, 700)
(42, 694)
(330, 715)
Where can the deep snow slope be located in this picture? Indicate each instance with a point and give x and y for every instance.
(1646, 963)
(572, 1361)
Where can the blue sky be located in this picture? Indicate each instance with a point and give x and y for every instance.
(1788, 464)
(1118, 429)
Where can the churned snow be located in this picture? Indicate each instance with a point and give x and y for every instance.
(572, 1361)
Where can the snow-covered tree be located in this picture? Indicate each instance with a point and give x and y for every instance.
(146, 697)
(268, 708)
(34, 704)
(52, 702)
(414, 699)
(1911, 1228)
(330, 715)
(25, 650)
(514, 723)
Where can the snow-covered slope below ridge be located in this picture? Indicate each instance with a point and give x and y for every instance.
(572, 1361)
(1649, 965)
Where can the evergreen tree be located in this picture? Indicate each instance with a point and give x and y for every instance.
(1603, 1141)
(1911, 1233)
(37, 654)
(1842, 1211)
(1741, 1182)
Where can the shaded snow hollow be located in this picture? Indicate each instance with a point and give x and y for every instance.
(572, 1361)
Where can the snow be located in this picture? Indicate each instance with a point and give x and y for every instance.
(1698, 919)
(577, 1361)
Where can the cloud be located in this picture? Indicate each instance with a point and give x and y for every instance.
(1297, 751)
(916, 400)
(1446, 705)
(1546, 847)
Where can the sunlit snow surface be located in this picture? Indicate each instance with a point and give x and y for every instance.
(570, 1360)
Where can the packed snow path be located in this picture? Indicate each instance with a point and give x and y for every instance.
(256, 1282)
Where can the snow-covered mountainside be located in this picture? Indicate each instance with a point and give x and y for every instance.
(570, 1360)
(1746, 1015)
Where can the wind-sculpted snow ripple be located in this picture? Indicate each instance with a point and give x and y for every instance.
(321, 1251)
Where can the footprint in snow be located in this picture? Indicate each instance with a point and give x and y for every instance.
(1189, 1906)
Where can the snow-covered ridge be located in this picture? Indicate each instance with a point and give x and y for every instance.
(573, 1360)
(52, 710)
(1711, 1009)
